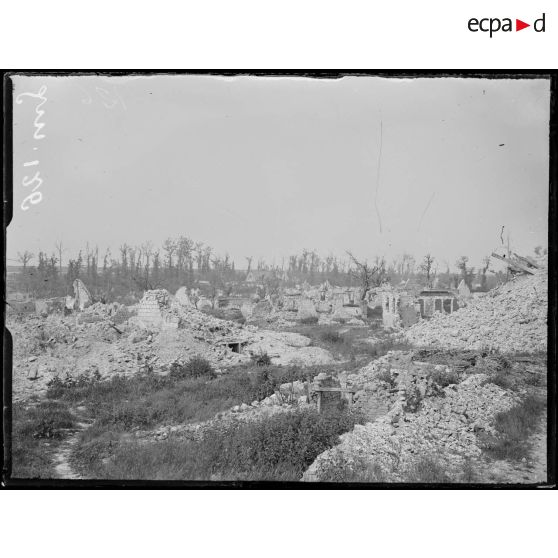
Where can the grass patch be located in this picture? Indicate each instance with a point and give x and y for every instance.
(339, 469)
(36, 432)
(278, 448)
(427, 469)
(331, 336)
(148, 399)
(514, 427)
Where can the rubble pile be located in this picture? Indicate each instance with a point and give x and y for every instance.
(111, 339)
(423, 419)
(511, 317)
(98, 312)
(288, 348)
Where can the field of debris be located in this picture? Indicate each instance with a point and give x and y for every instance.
(297, 387)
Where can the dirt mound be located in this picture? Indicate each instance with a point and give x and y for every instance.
(512, 317)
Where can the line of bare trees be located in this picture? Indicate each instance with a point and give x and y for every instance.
(182, 261)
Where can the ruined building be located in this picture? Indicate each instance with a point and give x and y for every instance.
(400, 309)
(431, 301)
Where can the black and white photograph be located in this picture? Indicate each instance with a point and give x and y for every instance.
(236, 279)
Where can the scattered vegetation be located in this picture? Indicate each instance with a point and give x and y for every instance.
(279, 448)
(514, 428)
(36, 431)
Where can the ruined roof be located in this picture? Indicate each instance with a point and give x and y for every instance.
(437, 292)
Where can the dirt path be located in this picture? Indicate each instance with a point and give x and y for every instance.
(62, 466)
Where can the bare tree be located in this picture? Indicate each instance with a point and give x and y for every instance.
(427, 269)
(366, 274)
(484, 269)
(148, 251)
(60, 249)
(467, 273)
(169, 246)
(249, 260)
(24, 258)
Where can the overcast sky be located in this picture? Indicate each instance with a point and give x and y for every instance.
(264, 167)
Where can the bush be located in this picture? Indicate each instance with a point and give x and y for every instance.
(309, 320)
(261, 359)
(196, 367)
(58, 387)
(443, 379)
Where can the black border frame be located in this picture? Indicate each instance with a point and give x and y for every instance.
(7, 191)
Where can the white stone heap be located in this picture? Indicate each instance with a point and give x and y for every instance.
(511, 317)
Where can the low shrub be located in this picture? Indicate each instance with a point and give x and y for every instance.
(443, 378)
(57, 387)
(331, 336)
(514, 427)
(46, 420)
(196, 367)
(384, 375)
(501, 379)
(261, 359)
(413, 399)
(309, 320)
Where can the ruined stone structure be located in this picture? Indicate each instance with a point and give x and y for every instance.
(81, 295)
(399, 309)
(232, 301)
(432, 301)
(153, 310)
(463, 290)
(182, 297)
